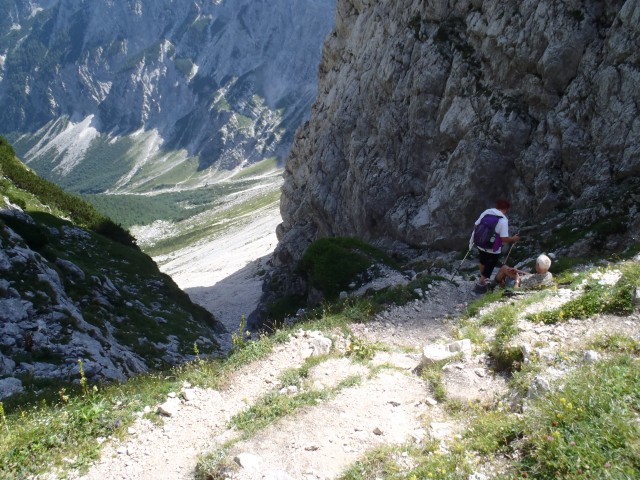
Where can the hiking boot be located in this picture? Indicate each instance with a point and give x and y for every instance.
(492, 285)
(480, 288)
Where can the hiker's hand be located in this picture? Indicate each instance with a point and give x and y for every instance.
(516, 238)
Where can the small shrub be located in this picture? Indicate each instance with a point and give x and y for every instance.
(360, 349)
(331, 264)
(493, 432)
(214, 465)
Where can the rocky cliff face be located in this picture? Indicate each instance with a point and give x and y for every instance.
(427, 111)
(226, 81)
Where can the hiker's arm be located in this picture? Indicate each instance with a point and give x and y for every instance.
(514, 239)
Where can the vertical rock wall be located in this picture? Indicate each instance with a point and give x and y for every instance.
(428, 110)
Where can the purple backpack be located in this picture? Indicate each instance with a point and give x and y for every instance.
(485, 236)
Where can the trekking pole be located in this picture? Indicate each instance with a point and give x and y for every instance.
(509, 253)
(465, 257)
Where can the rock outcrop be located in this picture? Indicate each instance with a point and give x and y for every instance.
(427, 111)
(80, 298)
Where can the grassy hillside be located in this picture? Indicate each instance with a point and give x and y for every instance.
(16, 174)
(90, 291)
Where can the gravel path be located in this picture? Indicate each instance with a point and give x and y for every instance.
(390, 405)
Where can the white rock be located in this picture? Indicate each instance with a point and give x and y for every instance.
(434, 353)
(418, 435)
(320, 345)
(591, 356)
(539, 386)
(527, 351)
(460, 346)
(249, 461)
(478, 476)
(169, 408)
(188, 394)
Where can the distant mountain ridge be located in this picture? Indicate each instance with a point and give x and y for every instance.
(132, 83)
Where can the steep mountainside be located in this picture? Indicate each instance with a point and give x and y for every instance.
(68, 292)
(156, 90)
(427, 111)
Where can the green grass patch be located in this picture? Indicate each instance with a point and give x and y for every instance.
(589, 428)
(617, 343)
(433, 374)
(297, 376)
(504, 317)
(493, 431)
(260, 168)
(597, 298)
(332, 264)
(390, 462)
(478, 304)
(272, 407)
(50, 194)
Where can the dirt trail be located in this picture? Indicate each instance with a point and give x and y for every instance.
(170, 451)
(318, 442)
(391, 404)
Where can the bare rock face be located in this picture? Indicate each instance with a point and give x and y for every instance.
(428, 111)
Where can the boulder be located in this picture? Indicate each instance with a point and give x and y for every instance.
(10, 386)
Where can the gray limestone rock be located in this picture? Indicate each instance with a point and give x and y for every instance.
(71, 268)
(10, 386)
(321, 346)
(591, 356)
(428, 111)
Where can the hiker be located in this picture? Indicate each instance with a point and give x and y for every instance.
(512, 277)
(490, 232)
